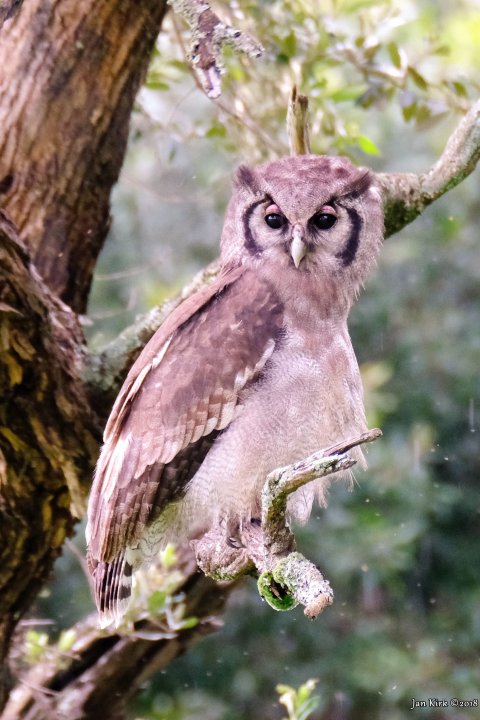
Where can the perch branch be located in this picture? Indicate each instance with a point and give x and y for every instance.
(268, 548)
(281, 483)
(209, 35)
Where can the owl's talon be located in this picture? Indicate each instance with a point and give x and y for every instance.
(235, 542)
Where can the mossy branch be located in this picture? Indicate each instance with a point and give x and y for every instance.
(407, 195)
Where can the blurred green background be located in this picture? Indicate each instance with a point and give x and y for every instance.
(387, 83)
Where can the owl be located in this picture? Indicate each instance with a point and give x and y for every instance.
(254, 372)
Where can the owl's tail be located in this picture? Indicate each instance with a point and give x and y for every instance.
(112, 588)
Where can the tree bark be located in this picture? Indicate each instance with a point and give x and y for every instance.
(48, 435)
(70, 73)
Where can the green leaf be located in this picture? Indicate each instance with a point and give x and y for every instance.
(299, 703)
(418, 79)
(66, 640)
(394, 53)
(156, 84)
(408, 103)
(156, 602)
(289, 44)
(458, 88)
(188, 623)
(216, 131)
(367, 145)
(36, 643)
(348, 93)
(169, 555)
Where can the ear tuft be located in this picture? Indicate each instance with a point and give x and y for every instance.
(246, 177)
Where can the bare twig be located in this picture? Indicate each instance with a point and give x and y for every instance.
(297, 123)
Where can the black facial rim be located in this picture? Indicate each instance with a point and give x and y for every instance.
(250, 243)
(347, 255)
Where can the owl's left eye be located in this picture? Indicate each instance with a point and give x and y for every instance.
(324, 220)
(275, 220)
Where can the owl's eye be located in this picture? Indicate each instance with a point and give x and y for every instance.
(324, 220)
(275, 220)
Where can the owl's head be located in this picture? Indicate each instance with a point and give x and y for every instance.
(306, 214)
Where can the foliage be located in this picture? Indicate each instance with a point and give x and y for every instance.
(299, 703)
(347, 57)
(400, 549)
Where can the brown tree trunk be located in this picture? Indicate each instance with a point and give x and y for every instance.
(48, 437)
(69, 74)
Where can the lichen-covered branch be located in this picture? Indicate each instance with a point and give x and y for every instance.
(407, 195)
(209, 35)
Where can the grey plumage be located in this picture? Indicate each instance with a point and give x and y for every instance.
(255, 372)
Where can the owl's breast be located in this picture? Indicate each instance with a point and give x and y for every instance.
(312, 393)
(308, 397)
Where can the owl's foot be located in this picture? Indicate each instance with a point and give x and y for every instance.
(266, 548)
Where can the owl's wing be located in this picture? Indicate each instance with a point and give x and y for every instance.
(184, 386)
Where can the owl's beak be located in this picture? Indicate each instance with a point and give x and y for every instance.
(298, 249)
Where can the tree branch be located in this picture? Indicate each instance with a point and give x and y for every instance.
(99, 672)
(407, 195)
(209, 35)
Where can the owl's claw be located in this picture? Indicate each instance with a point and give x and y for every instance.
(235, 542)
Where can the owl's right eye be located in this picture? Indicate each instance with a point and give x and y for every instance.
(275, 220)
